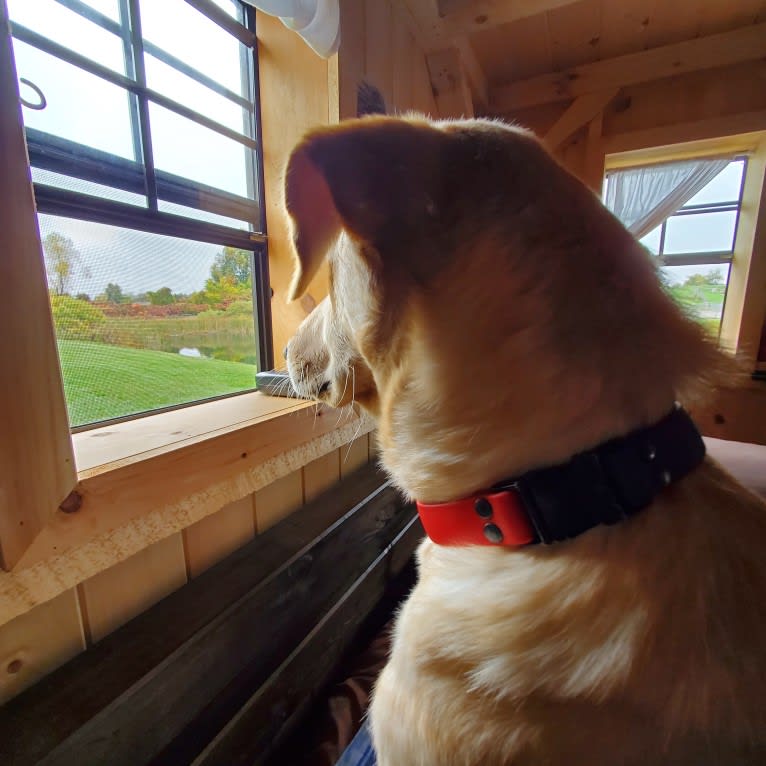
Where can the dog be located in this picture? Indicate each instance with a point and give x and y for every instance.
(498, 321)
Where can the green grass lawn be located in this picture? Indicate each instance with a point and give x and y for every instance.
(104, 381)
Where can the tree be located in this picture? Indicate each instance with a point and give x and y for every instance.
(113, 293)
(715, 277)
(61, 258)
(233, 263)
(161, 297)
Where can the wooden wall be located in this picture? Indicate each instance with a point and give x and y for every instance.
(40, 640)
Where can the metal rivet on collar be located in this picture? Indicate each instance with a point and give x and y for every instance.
(666, 477)
(493, 533)
(651, 452)
(483, 507)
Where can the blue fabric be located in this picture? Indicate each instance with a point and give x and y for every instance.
(359, 752)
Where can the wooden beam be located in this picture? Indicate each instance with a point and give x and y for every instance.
(37, 469)
(744, 44)
(583, 110)
(593, 173)
(683, 132)
(450, 84)
(477, 80)
(465, 18)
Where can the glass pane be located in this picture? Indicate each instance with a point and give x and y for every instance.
(203, 44)
(723, 188)
(652, 240)
(184, 90)
(109, 8)
(700, 290)
(146, 321)
(63, 26)
(232, 7)
(191, 151)
(200, 215)
(62, 181)
(81, 107)
(700, 233)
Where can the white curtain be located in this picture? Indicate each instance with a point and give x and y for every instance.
(642, 198)
(316, 21)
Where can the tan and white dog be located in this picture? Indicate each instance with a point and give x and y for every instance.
(496, 318)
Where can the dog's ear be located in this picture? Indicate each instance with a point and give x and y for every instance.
(376, 178)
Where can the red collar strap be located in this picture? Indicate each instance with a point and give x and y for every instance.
(604, 485)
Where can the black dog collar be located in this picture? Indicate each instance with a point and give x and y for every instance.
(603, 485)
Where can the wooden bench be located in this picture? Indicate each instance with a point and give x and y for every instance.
(222, 670)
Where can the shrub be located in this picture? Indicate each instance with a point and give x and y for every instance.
(75, 318)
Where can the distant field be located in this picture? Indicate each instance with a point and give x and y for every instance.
(108, 381)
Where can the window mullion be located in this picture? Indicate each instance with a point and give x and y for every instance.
(130, 72)
(137, 52)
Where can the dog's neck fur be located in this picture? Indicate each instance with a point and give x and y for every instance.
(459, 416)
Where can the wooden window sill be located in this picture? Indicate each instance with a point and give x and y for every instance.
(143, 480)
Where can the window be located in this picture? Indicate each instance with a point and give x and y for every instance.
(142, 127)
(695, 243)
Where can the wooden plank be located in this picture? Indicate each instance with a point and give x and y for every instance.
(118, 594)
(115, 679)
(683, 132)
(402, 44)
(476, 77)
(320, 474)
(293, 88)
(213, 538)
(379, 37)
(582, 110)
(37, 469)
(354, 455)
(133, 506)
(449, 84)
(102, 449)
(351, 55)
(216, 672)
(278, 500)
(33, 645)
(745, 306)
(593, 174)
(574, 33)
(436, 31)
(263, 723)
(746, 44)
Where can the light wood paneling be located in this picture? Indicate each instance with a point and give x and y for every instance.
(351, 60)
(277, 500)
(216, 536)
(402, 44)
(354, 455)
(725, 49)
(37, 469)
(379, 42)
(320, 474)
(294, 98)
(34, 644)
(118, 594)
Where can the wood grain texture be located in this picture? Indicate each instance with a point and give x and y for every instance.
(128, 508)
(580, 112)
(213, 671)
(379, 39)
(294, 98)
(746, 44)
(216, 536)
(118, 676)
(320, 474)
(37, 469)
(34, 644)
(354, 455)
(118, 594)
(269, 716)
(278, 500)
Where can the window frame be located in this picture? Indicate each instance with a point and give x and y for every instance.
(57, 154)
(713, 258)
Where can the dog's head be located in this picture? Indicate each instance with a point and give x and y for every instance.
(469, 273)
